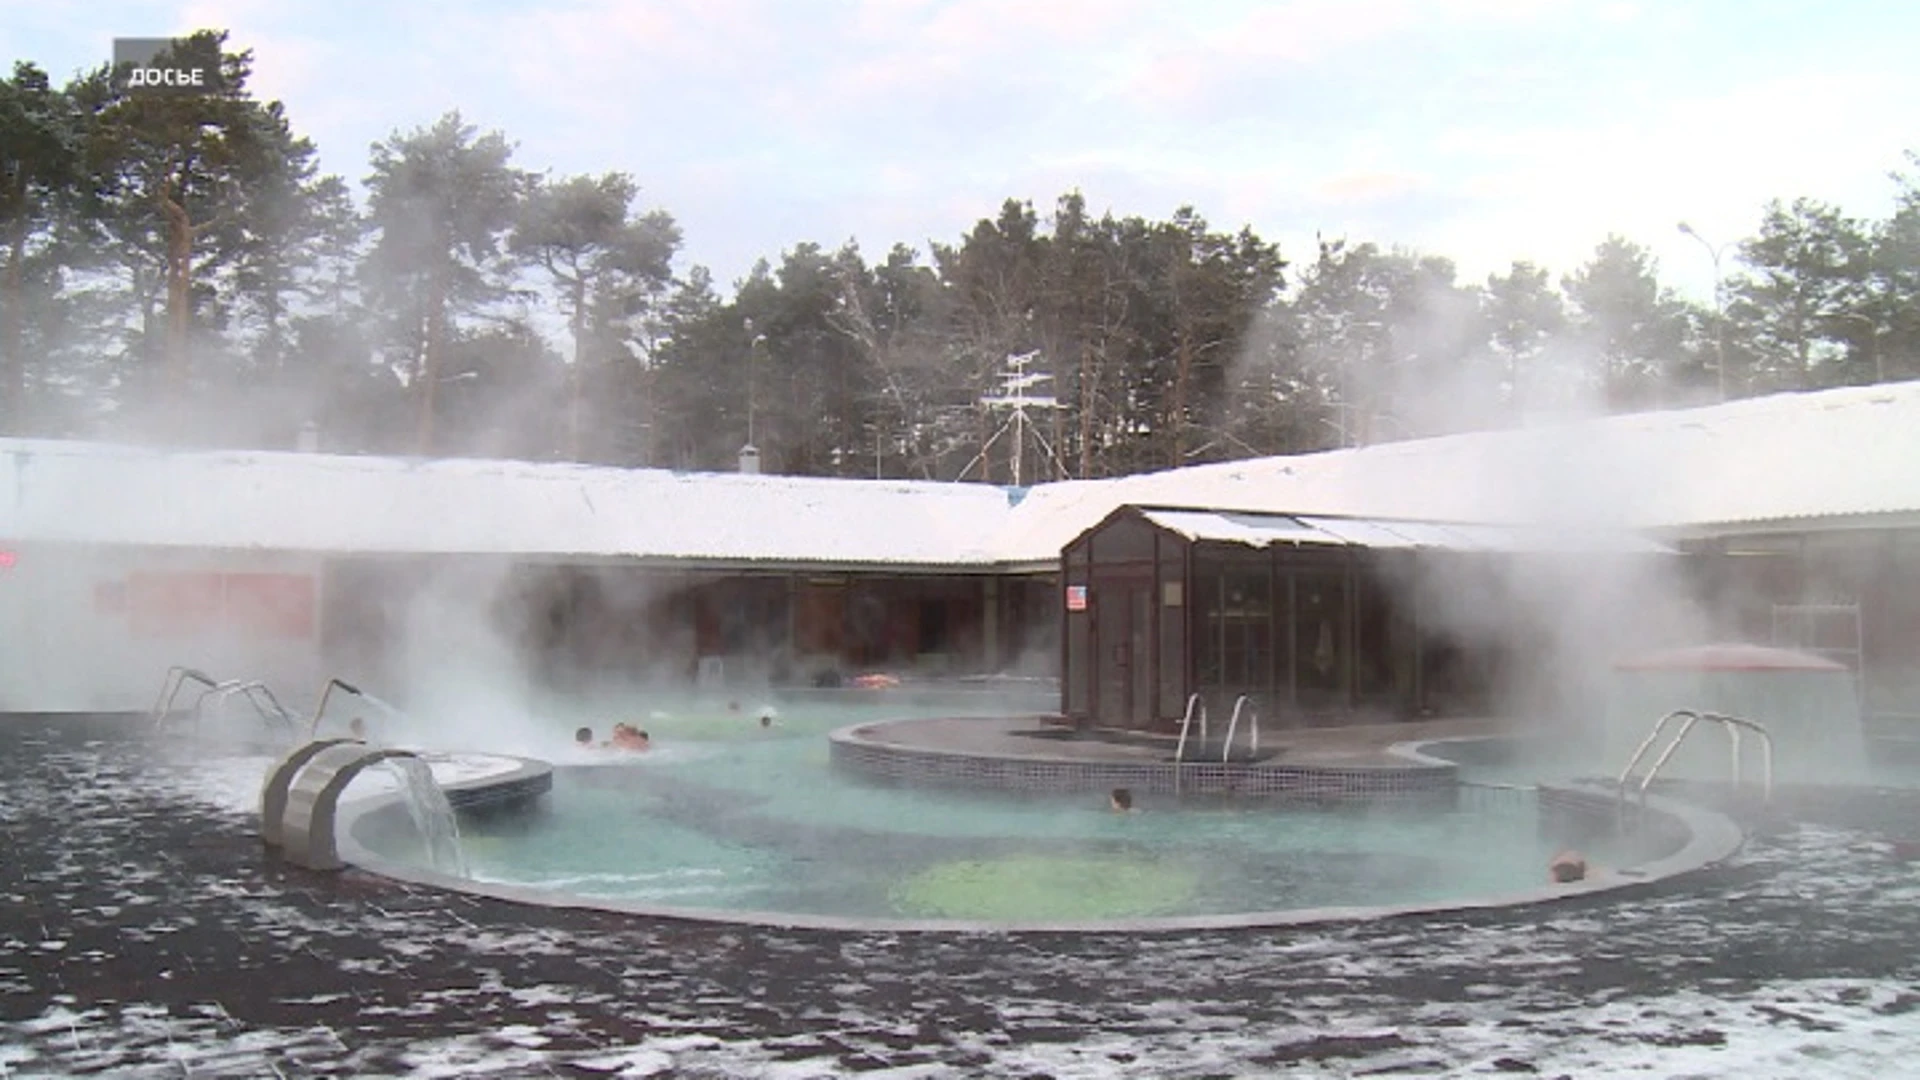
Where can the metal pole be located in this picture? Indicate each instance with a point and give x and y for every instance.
(1719, 307)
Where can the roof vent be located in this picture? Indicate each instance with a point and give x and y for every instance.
(749, 459)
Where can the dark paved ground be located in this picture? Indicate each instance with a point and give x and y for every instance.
(144, 933)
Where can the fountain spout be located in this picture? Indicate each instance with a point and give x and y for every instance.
(301, 801)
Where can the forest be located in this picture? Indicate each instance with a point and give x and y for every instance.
(178, 271)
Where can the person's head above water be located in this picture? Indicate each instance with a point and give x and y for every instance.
(1567, 867)
(766, 719)
(1122, 799)
(583, 736)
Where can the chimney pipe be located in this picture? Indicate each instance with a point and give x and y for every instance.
(749, 459)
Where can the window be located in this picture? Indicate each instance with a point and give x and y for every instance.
(1320, 646)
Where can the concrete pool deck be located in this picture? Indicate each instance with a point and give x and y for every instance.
(144, 933)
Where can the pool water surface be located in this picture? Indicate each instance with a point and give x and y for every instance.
(727, 816)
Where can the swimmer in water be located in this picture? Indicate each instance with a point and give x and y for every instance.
(1567, 868)
(629, 737)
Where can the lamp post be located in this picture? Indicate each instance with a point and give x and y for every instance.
(754, 341)
(1719, 307)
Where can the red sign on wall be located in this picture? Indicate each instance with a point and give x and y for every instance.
(257, 605)
(1076, 598)
(168, 605)
(270, 605)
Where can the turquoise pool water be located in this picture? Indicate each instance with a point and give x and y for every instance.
(1890, 763)
(727, 816)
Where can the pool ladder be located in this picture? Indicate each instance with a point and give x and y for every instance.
(1243, 702)
(1732, 725)
(1196, 706)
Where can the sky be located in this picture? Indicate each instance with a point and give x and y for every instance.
(1483, 130)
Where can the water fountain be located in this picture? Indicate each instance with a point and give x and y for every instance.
(301, 799)
(432, 814)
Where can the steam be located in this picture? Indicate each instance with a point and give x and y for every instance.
(1557, 619)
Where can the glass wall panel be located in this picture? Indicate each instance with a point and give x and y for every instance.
(1895, 689)
(1384, 649)
(1172, 606)
(1124, 541)
(1321, 638)
(1246, 629)
(1208, 602)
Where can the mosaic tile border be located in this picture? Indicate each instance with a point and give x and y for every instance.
(502, 792)
(851, 748)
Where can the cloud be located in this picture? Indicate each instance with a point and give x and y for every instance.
(1310, 31)
(1480, 129)
(1366, 188)
(1551, 193)
(1017, 26)
(1231, 64)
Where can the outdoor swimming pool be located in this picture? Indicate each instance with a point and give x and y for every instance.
(728, 817)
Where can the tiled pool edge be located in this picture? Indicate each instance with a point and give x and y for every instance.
(1710, 839)
(853, 748)
(501, 792)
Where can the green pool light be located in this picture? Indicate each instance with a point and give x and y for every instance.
(1036, 887)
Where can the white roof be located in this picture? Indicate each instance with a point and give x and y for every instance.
(1265, 530)
(1835, 453)
(1846, 452)
(89, 493)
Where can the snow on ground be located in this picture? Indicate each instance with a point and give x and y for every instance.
(143, 933)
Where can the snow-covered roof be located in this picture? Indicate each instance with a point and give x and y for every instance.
(90, 493)
(1831, 454)
(1838, 453)
(1267, 530)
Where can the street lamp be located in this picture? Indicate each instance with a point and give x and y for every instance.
(1719, 306)
(754, 342)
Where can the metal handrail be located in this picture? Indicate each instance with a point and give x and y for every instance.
(256, 691)
(261, 697)
(219, 690)
(1253, 727)
(325, 692)
(1186, 722)
(176, 677)
(1641, 751)
(1732, 725)
(258, 695)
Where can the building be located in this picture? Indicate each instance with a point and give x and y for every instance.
(1797, 517)
(1314, 620)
